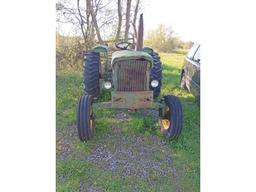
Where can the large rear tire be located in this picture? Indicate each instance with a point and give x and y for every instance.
(156, 73)
(91, 73)
(172, 117)
(85, 118)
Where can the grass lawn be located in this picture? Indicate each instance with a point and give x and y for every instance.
(128, 152)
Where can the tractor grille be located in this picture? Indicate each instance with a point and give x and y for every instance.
(132, 75)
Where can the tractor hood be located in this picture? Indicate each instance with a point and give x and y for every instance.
(129, 55)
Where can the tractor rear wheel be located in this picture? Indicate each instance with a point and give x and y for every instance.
(85, 118)
(91, 73)
(172, 117)
(156, 73)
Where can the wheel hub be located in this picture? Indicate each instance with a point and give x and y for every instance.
(166, 124)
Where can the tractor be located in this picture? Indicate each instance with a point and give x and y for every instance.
(134, 78)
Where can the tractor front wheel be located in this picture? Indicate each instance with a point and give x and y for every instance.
(85, 118)
(171, 120)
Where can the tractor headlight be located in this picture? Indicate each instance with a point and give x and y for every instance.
(107, 85)
(154, 83)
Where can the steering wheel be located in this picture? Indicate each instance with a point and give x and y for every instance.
(124, 45)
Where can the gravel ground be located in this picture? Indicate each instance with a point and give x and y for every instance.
(144, 156)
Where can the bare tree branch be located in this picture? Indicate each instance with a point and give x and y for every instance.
(82, 22)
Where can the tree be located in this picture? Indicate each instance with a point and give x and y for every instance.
(88, 18)
(119, 10)
(81, 21)
(135, 18)
(94, 20)
(89, 4)
(127, 19)
(162, 39)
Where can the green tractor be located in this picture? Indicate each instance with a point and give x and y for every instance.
(134, 78)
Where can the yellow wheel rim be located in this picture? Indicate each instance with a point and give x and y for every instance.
(91, 123)
(165, 123)
(91, 120)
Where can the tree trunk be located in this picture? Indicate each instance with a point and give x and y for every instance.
(119, 9)
(94, 21)
(88, 25)
(135, 19)
(82, 24)
(127, 24)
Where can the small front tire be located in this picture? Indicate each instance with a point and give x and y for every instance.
(172, 117)
(85, 118)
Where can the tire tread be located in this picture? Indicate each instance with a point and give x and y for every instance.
(176, 116)
(156, 73)
(91, 73)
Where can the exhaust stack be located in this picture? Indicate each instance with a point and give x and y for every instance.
(139, 43)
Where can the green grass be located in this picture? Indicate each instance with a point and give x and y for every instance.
(74, 173)
(187, 148)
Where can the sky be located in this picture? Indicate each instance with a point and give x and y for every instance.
(182, 15)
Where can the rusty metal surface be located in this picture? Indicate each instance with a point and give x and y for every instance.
(108, 105)
(132, 75)
(139, 44)
(136, 100)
